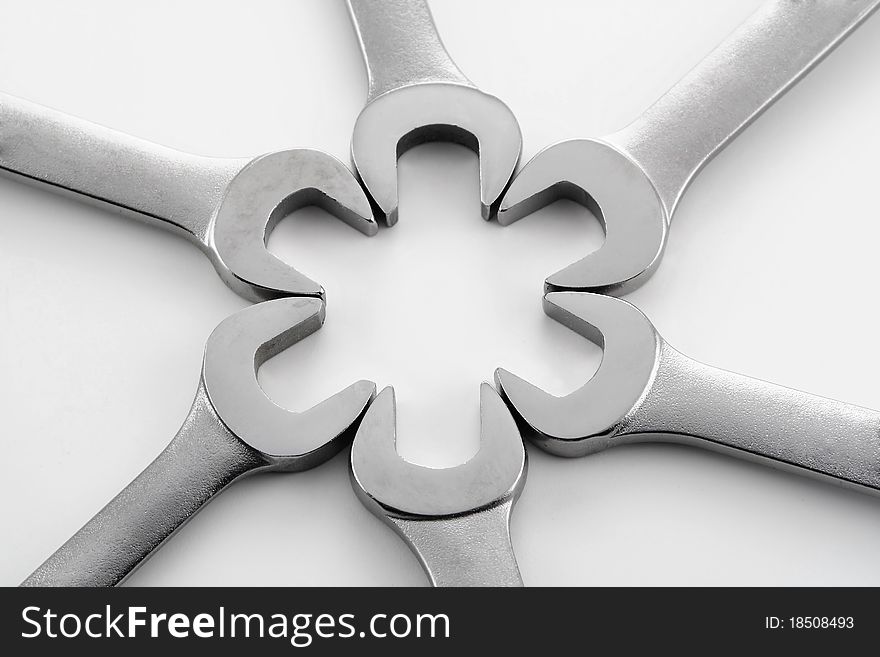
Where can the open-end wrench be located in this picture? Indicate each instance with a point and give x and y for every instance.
(233, 430)
(226, 206)
(456, 520)
(417, 94)
(632, 180)
(646, 391)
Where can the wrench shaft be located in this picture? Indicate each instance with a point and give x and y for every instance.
(771, 51)
(198, 464)
(401, 45)
(695, 403)
(129, 175)
(470, 550)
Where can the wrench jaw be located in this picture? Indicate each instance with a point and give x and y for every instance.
(285, 440)
(405, 117)
(265, 191)
(393, 488)
(589, 419)
(616, 190)
(455, 520)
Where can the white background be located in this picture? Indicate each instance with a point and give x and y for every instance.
(770, 271)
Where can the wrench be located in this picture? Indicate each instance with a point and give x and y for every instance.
(646, 391)
(417, 94)
(232, 431)
(633, 179)
(226, 206)
(456, 520)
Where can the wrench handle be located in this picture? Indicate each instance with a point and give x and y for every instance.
(401, 45)
(198, 464)
(110, 168)
(694, 403)
(469, 550)
(753, 67)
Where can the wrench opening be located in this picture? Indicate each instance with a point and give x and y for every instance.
(437, 132)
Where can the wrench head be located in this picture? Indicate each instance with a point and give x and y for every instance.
(400, 119)
(586, 420)
(392, 487)
(265, 191)
(285, 439)
(617, 191)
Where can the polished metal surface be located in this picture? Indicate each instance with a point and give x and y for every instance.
(646, 391)
(633, 179)
(456, 520)
(226, 206)
(417, 94)
(233, 430)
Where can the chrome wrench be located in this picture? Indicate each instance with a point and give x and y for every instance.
(417, 94)
(632, 180)
(233, 430)
(226, 206)
(646, 391)
(455, 520)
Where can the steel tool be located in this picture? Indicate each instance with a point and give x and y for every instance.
(232, 430)
(226, 206)
(646, 391)
(632, 180)
(417, 94)
(456, 520)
